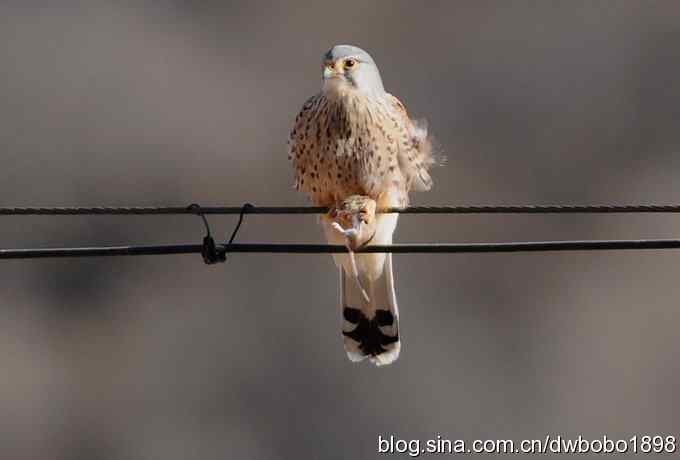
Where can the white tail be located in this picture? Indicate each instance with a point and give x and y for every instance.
(370, 328)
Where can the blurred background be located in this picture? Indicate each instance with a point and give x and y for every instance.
(174, 102)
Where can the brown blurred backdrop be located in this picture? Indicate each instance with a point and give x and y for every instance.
(173, 102)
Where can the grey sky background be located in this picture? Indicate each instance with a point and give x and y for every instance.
(168, 103)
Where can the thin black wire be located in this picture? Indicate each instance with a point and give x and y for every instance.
(291, 248)
(288, 248)
(503, 209)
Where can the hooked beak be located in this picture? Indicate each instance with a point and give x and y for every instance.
(331, 72)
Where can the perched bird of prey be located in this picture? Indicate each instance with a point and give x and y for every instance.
(354, 149)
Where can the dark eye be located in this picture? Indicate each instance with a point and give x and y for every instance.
(349, 63)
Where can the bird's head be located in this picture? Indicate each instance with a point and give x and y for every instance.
(347, 67)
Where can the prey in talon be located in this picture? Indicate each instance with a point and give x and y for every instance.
(354, 218)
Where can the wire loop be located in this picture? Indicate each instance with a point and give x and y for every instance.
(209, 251)
(244, 209)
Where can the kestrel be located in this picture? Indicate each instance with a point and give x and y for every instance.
(354, 149)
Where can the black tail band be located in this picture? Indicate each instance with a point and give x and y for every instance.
(367, 334)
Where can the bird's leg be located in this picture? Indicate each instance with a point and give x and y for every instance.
(354, 218)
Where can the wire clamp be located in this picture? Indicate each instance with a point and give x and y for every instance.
(209, 251)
